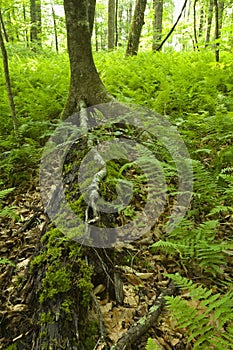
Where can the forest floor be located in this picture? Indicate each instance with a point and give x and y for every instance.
(142, 275)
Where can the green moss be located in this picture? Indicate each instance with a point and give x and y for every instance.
(79, 206)
(55, 282)
(37, 261)
(46, 317)
(67, 306)
(90, 337)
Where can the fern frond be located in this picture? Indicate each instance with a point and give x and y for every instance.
(4, 193)
(206, 316)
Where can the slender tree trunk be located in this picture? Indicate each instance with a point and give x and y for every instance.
(25, 22)
(173, 27)
(35, 13)
(3, 27)
(209, 22)
(8, 83)
(157, 24)
(111, 24)
(217, 32)
(136, 28)
(129, 14)
(231, 32)
(221, 4)
(55, 28)
(195, 24)
(85, 83)
(15, 26)
(120, 22)
(201, 24)
(116, 24)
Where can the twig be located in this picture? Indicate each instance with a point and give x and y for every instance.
(143, 325)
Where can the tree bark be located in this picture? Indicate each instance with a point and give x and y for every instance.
(136, 28)
(129, 14)
(111, 24)
(201, 23)
(25, 22)
(116, 24)
(85, 83)
(217, 31)
(221, 4)
(3, 27)
(35, 13)
(55, 28)
(8, 82)
(195, 25)
(157, 24)
(209, 22)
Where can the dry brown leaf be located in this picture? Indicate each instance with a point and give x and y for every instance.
(19, 308)
(130, 296)
(105, 309)
(22, 264)
(145, 275)
(133, 279)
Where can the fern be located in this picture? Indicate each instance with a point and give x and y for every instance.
(5, 261)
(7, 212)
(4, 193)
(151, 345)
(206, 316)
(198, 247)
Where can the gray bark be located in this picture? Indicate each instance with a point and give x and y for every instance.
(85, 83)
(136, 28)
(111, 24)
(157, 24)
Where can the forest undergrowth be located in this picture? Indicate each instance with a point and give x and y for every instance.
(196, 95)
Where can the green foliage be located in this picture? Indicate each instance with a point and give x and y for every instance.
(198, 248)
(39, 95)
(11, 347)
(206, 316)
(197, 95)
(151, 345)
(6, 211)
(5, 261)
(179, 84)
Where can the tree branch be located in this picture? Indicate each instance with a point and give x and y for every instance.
(144, 324)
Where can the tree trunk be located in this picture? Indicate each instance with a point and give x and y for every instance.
(3, 27)
(26, 36)
(35, 13)
(173, 27)
(8, 82)
(116, 24)
(209, 22)
(157, 24)
(201, 23)
(220, 13)
(111, 24)
(136, 28)
(96, 36)
(129, 14)
(217, 31)
(55, 28)
(195, 24)
(85, 83)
